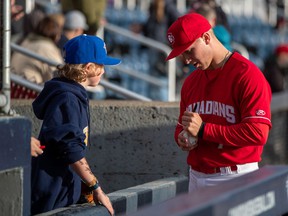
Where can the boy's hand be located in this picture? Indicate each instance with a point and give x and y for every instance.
(103, 199)
(35, 147)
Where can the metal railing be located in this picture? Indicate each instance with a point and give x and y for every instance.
(126, 93)
(171, 64)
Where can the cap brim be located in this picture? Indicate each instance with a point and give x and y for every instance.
(177, 51)
(109, 61)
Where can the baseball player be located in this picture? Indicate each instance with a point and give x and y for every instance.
(225, 113)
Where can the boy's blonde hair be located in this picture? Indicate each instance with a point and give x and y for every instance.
(74, 72)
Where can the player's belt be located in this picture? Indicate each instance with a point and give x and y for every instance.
(228, 169)
(213, 170)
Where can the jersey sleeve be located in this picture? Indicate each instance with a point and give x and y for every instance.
(255, 97)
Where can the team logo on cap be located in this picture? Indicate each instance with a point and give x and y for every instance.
(104, 46)
(260, 112)
(171, 38)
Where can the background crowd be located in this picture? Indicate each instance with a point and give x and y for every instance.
(45, 29)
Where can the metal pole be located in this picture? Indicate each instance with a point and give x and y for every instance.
(286, 9)
(29, 6)
(5, 91)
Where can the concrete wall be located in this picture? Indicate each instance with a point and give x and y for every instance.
(132, 142)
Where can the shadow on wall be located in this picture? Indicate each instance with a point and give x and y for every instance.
(131, 142)
(131, 157)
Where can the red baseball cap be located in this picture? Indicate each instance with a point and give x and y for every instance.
(282, 48)
(184, 31)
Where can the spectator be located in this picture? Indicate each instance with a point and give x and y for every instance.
(75, 25)
(64, 109)
(276, 69)
(223, 36)
(220, 31)
(222, 18)
(162, 14)
(94, 11)
(208, 12)
(30, 22)
(35, 146)
(58, 18)
(43, 43)
(16, 11)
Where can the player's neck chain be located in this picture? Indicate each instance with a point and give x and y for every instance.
(225, 59)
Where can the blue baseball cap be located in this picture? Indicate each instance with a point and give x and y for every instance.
(87, 48)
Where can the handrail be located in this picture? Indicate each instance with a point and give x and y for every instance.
(147, 78)
(171, 68)
(106, 84)
(30, 85)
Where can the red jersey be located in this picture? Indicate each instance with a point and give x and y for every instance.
(236, 94)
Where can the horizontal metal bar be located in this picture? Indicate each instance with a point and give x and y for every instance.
(126, 93)
(145, 77)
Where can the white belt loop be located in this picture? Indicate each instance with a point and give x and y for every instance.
(248, 167)
(225, 170)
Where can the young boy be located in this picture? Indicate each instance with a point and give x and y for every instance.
(64, 108)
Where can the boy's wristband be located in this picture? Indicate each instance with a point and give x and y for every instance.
(94, 187)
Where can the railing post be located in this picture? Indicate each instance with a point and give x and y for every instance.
(5, 56)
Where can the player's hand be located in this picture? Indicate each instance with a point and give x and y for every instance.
(35, 147)
(101, 198)
(184, 144)
(191, 122)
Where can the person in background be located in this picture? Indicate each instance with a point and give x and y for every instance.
(43, 43)
(16, 14)
(30, 22)
(162, 14)
(220, 30)
(59, 18)
(94, 12)
(276, 69)
(16, 11)
(75, 24)
(225, 115)
(63, 108)
(222, 18)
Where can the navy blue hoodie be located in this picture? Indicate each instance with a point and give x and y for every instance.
(64, 108)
